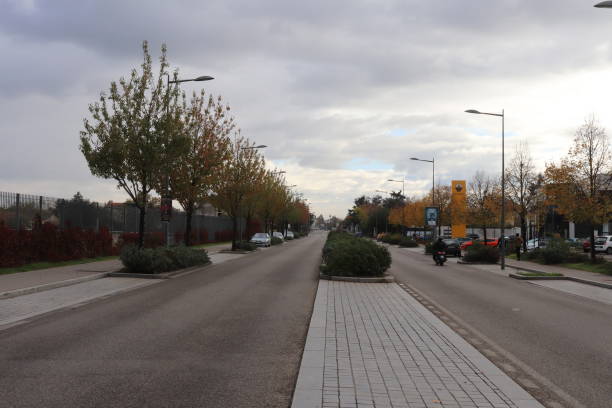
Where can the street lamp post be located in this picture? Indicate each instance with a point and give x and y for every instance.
(433, 179)
(399, 181)
(503, 183)
(604, 4)
(168, 199)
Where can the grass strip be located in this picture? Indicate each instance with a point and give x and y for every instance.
(527, 273)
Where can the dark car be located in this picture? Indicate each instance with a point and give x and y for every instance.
(452, 246)
(473, 236)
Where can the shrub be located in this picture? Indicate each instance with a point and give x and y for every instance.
(406, 242)
(556, 251)
(297, 235)
(428, 250)
(481, 253)
(246, 246)
(276, 241)
(345, 255)
(158, 260)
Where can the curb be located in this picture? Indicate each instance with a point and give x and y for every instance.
(239, 252)
(52, 285)
(382, 279)
(570, 278)
(165, 275)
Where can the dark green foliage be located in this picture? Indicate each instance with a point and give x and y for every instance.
(246, 246)
(555, 252)
(297, 235)
(276, 241)
(428, 249)
(161, 259)
(346, 255)
(481, 253)
(406, 242)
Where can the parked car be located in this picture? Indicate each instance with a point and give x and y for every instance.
(463, 239)
(603, 243)
(536, 243)
(261, 239)
(489, 242)
(278, 235)
(586, 245)
(289, 235)
(473, 236)
(452, 246)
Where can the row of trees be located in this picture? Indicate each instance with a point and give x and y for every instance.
(150, 138)
(579, 187)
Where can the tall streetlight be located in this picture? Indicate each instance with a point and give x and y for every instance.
(503, 183)
(433, 179)
(166, 204)
(604, 4)
(399, 181)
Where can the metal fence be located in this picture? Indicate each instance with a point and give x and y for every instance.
(24, 211)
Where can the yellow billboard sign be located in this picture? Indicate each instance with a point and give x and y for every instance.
(458, 208)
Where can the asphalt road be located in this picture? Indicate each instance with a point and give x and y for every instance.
(229, 336)
(564, 341)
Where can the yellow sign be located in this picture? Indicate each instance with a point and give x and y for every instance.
(458, 208)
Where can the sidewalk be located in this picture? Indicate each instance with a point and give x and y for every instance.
(67, 275)
(374, 345)
(574, 273)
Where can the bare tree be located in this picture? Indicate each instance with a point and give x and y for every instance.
(482, 201)
(521, 180)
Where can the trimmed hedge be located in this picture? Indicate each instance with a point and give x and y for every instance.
(347, 255)
(481, 253)
(161, 259)
(276, 241)
(556, 251)
(246, 246)
(406, 242)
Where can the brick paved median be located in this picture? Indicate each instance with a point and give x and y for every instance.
(373, 345)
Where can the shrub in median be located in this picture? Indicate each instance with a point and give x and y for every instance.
(346, 255)
(245, 246)
(481, 253)
(276, 241)
(161, 259)
(406, 242)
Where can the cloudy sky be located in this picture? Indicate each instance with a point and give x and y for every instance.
(343, 92)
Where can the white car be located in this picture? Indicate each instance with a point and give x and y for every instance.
(278, 235)
(261, 239)
(289, 235)
(603, 243)
(536, 243)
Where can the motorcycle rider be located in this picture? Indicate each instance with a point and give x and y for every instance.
(438, 246)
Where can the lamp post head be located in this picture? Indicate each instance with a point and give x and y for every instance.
(472, 111)
(604, 4)
(260, 146)
(204, 78)
(414, 158)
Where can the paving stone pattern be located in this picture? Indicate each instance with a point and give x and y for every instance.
(378, 347)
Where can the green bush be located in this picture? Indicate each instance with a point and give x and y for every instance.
(276, 241)
(161, 259)
(246, 246)
(481, 253)
(406, 242)
(428, 250)
(297, 235)
(346, 255)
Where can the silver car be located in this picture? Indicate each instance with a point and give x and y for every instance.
(261, 239)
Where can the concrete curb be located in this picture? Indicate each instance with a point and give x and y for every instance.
(52, 285)
(166, 275)
(239, 252)
(382, 279)
(523, 277)
(571, 278)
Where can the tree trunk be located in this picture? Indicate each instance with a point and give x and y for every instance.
(524, 232)
(188, 217)
(234, 229)
(484, 229)
(141, 226)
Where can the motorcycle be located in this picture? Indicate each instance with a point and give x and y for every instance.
(440, 258)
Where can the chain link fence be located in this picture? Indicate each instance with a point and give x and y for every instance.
(24, 211)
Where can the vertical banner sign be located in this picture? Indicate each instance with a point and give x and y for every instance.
(458, 208)
(431, 216)
(166, 209)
